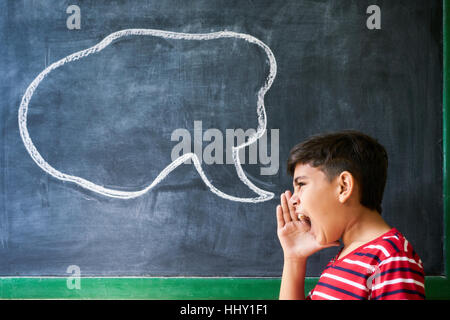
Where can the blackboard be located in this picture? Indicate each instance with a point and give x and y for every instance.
(110, 117)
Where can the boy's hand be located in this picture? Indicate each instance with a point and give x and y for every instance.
(294, 235)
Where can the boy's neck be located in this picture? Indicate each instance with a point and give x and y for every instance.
(365, 226)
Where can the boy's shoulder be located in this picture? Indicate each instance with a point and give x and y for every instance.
(390, 246)
(386, 267)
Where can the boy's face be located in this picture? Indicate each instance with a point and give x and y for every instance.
(318, 199)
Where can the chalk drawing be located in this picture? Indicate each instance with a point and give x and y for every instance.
(261, 114)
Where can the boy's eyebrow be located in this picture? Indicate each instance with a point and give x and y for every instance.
(298, 178)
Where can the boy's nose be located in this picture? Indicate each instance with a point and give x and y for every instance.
(294, 200)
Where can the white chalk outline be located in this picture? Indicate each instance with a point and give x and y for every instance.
(261, 112)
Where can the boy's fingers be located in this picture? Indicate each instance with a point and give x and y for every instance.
(284, 206)
(280, 219)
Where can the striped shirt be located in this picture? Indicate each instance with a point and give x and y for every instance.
(384, 268)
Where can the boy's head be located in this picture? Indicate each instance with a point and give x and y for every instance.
(337, 177)
(362, 156)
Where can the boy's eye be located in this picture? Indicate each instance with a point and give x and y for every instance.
(299, 185)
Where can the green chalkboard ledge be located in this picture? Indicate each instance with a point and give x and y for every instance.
(167, 288)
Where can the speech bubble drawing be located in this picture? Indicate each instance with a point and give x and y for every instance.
(263, 195)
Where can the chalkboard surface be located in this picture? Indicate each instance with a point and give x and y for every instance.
(114, 119)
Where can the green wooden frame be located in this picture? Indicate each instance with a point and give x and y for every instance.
(228, 288)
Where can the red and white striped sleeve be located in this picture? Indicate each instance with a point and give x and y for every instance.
(399, 277)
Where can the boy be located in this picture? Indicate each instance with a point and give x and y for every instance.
(339, 180)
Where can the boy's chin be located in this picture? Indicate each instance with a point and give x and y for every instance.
(320, 239)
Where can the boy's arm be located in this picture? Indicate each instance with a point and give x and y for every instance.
(293, 280)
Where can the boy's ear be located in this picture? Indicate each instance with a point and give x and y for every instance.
(346, 185)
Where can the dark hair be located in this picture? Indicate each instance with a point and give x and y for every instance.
(350, 151)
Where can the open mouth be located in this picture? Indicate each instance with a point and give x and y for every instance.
(304, 218)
